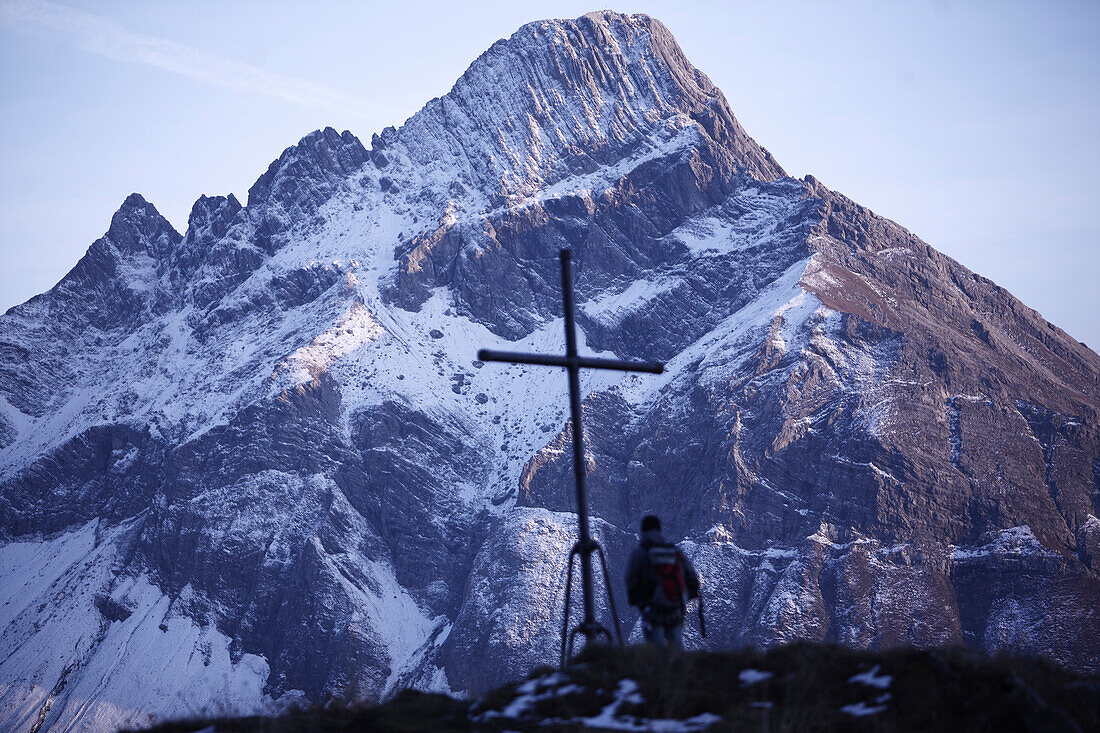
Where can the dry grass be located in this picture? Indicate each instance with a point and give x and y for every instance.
(938, 690)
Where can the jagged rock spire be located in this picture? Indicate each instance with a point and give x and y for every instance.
(137, 226)
(318, 160)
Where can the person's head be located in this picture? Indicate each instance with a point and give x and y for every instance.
(651, 522)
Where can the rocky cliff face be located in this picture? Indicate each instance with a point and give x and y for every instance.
(258, 463)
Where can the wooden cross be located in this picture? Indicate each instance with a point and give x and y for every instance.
(586, 545)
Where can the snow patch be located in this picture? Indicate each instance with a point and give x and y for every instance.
(1017, 541)
(749, 677)
(611, 309)
(356, 328)
(609, 718)
(750, 218)
(861, 708)
(872, 678)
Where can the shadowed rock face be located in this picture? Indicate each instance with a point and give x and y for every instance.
(263, 451)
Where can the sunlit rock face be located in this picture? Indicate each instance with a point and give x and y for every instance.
(257, 464)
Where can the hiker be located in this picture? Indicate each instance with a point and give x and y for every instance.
(659, 581)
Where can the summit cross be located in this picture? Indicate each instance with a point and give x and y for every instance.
(572, 362)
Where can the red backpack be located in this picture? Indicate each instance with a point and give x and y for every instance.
(670, 593)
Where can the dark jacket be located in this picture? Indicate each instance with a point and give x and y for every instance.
(639, 580)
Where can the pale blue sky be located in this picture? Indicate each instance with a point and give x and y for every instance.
(972, 124)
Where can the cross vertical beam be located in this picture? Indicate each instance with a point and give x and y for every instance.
(573, 363)
(589, 629)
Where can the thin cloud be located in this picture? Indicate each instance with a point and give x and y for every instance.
(104, 37)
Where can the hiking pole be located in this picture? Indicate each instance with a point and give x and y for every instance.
(702, 623)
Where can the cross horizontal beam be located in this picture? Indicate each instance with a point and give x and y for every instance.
(570, 362)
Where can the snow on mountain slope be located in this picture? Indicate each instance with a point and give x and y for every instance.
(104, 654)
(258, 463)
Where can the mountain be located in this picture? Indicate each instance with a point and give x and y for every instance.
(257, 464)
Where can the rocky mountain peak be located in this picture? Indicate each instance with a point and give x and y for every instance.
(565, 96)
(133, 202)
(137, 226)
(211, 216)
(112, 287)
(318, 160)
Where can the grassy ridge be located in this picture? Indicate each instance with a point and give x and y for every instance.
(799, 687)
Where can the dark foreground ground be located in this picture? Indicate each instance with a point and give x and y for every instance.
(801, 687)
